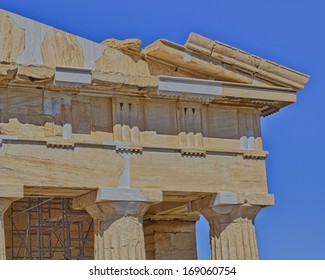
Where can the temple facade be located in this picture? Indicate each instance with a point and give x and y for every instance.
(113, 151)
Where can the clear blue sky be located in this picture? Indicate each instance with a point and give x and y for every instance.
(289, 32)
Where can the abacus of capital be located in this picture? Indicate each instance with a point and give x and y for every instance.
(113, 151)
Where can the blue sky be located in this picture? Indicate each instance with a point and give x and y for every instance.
(288, 32)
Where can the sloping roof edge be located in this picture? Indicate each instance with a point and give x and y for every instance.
(238, 58)
(200, 57)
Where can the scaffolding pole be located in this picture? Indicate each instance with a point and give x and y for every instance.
(47, 228)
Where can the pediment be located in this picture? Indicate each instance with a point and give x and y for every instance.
(201, 57)
(24, 41)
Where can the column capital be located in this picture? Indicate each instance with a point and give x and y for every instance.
(4, 204)
(230, 202)
(8, 194)
(12, 192)
(102, 211)
(122, 196)
(229, 213)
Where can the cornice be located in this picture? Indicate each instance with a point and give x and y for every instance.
(239, 59)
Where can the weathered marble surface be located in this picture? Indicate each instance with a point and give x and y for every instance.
(160, 134)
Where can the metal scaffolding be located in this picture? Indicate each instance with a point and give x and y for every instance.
(47, 229)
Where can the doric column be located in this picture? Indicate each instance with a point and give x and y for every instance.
(4, 204)
(231, 218)
(8, 194)
(232, 231)
(171, 239)
(118, 221)
(118, 230)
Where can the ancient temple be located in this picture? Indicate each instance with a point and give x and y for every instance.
(113, 151)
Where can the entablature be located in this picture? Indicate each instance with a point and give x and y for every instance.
(268, 99)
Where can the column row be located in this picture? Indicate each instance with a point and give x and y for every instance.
(121, 234)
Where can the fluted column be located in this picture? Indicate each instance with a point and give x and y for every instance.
(4, 204)
(118, 221)
(231, 218)
(118, 230)
(232, 231)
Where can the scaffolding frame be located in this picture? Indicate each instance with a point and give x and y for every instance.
(48, 228)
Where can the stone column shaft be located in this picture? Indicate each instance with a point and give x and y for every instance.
(232, 232)
(236, 242)
(4, 204)
(231, 219)
(118, 230)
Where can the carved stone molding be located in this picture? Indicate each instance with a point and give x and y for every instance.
(193, 153)
(68, 145)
